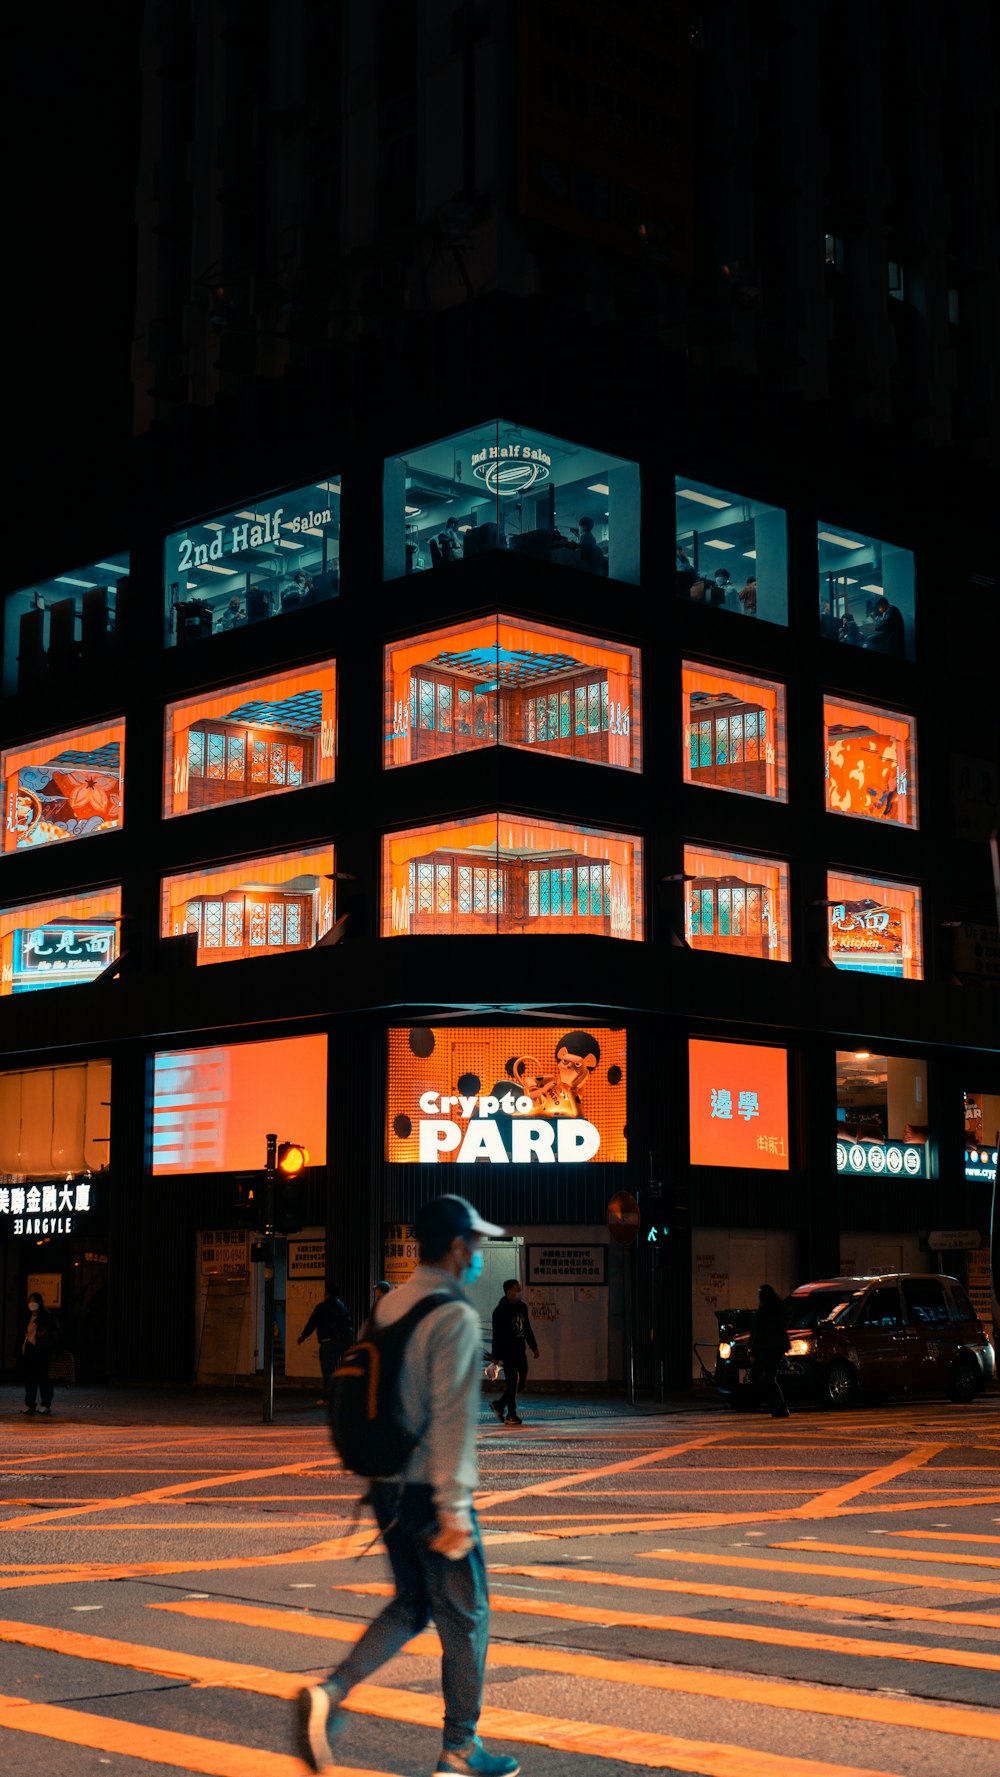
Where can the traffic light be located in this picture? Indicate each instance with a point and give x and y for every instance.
(654, 1223)
(248, 1203)
(292, 1157)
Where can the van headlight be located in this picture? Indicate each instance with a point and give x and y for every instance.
(801, 1347)
(725, 1350)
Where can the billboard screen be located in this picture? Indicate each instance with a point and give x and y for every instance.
(738, 1094)
(66, 787)
(506, 1095)
(212, 1108)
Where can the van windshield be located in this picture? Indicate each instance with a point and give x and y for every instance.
(815, 1305)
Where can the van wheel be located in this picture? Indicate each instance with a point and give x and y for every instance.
(963, 1383)
(839, 1386)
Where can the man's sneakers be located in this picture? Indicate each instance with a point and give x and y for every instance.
(497, 1407)
(514, 1419)
(477, 1762)
(320, 1715)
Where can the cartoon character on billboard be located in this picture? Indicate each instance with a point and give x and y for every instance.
(558, 1094)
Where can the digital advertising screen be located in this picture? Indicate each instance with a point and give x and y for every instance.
(738, 1101)
(504, 1095)
(257, 738)
(875, 927)
(60, 943)
(213, 1108)
(871, 762)
(67, 787)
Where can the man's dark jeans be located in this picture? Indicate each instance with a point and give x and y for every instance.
(330, 1354)
(515, 1374)
(428, 1585)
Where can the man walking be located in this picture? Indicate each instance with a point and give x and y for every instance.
(512, 1333)
(426, 1513)
(334, 1329)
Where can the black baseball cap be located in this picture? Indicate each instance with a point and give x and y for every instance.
(437, 1223)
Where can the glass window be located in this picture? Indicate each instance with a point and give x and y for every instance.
(881, 1308)
(58, 943)
(871, 762)
(55, 1122)
(515, 685)
(737, 903)
(866, 592)
(273, 556)
(504, 486)
(57, 626)
(528, 877)
(926, 1304)
(875, 926)
(734, 732)
(253, 908)
(724, 541)
(250, 739)
(982, 1127)
(211, 1107)
(67, 787)
(882, 1116)
(959, 1307)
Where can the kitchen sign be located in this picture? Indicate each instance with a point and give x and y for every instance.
(878, 1159)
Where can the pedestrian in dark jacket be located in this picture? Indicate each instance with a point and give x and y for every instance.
(334, 1329)
(37, 1347)
(768, 1344)
(512, 1334)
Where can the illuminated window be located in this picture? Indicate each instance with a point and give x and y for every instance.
(866, 591)
(503, 486)
(55, 1122)
(871, 762)
(258, 907)
(466, 1094)
(213, 1108)
(738, 1105)
(504, 873)
(58, 943)
(737, 903)
(882, 1116)
(724, 542)
(734, 732)
(497, 681)
(272, 557)
(67, 787)
(875, 926)
(982, 1134)
(251, 739)
(59, 626)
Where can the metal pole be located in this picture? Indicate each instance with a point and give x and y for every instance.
(630, 1323)
(269, 1176)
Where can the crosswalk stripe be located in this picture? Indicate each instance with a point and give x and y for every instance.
(949, 1536)
(952, 1557)
(186, 1752)
(825, 1570)
(772, 1693)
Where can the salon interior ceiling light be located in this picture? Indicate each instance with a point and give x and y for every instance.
(68, 580)
(411, 511)
(598, 487)
(872, 588)
(751, 554)
(328, 487)
(716, 543)
(843, 542)
(211, 567)
(213, 524)
(286, 543)
(690, 493)
(112, 567)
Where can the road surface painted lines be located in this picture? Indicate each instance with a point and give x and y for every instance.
(953, 1558)
(838, 1496)
(662, 1453)
(760, 1564)
(948, 1536)
(151, 1495)
(772, 1693)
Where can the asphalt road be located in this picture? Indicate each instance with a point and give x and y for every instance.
(689, 1591)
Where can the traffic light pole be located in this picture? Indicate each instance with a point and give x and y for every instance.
(269, 1180)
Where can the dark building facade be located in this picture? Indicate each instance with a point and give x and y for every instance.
(677, 672)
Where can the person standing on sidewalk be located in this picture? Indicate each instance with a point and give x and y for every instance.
(39, 1343)
(334, 1329)
(426, 1514)
(512, 1334)
(768, 1344)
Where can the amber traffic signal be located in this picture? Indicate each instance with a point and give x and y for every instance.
(292, 1157)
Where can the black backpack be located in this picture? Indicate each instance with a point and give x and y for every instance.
(368, 1434)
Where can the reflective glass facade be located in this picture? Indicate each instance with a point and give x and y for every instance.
(258, 907)
(875, 926)
(67, 787)
(506, 486)
(261, 737)
(883, 1123)
(57, 625)
(734, 732)
(271, 557)
(731, 552)
(867, 592)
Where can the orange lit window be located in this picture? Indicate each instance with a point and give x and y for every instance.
(67, 787)
(738, 1100)
(871, 762)
(502, 873)
(495, 682)
(213, 1108)
(58, 943)
(253, 739)
(736, 903)
(255, 908)
(875, 926)
(543, 1094)
(734, 732)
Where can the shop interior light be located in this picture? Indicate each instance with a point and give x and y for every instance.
(213, 524)
(286, 543)
(246, 515)
(717, 543)
(411, 511)
(872, 588)
(190, 585)
(598, 487)
(842, 542)
(327, 487)
(691, 493)
(211, 567)
(862, 1055)
(751, 554)
(68, 580)
(111, 567)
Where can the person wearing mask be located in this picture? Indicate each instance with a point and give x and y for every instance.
(512, 1334)
(334, 1329)
(37, 1346)
(426, 1514)
(591, 556)
(888, 635)
(768, 1344)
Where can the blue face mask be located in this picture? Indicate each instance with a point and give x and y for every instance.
(473, 1270)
